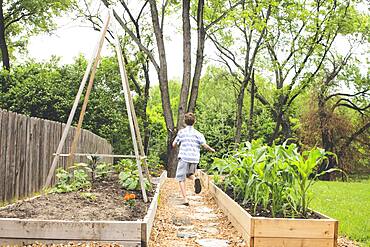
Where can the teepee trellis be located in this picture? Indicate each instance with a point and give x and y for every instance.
(134, 126)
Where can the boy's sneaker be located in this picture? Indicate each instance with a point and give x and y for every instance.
(197, 186)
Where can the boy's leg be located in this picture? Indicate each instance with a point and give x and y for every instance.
(183, 191)
(193, 176)
(182, 168)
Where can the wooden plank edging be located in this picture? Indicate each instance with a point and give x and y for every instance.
(149, 218)
(133, 233)
(259, 231)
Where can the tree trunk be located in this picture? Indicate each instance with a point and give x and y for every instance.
(186, 63)
(326, 138)
(251, 111)
(280, 119)
(3, 45)
(163, 86)
(239, 112)
(199, 57)
(145, 67)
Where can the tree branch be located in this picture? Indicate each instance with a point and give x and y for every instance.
(132, 35)
(346, 94)
(207, 27)
(355, 135)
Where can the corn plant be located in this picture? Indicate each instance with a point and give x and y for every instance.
(277, 178)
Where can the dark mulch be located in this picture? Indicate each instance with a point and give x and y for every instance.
(261, 212)
(108, 205)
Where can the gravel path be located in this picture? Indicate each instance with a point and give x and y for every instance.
(197, 225)
(200, 224)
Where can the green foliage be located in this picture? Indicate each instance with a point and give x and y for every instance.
(102, 170)
(276, 178)
(155, 166)
(22, 19)
(88, 196)
(47, 90)
(71, 181)
(129, 175)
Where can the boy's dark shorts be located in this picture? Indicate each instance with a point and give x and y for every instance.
(185, 170)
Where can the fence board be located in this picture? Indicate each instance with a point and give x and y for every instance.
(9, 157)
(27, 146)
(4, 133)
(23, 155)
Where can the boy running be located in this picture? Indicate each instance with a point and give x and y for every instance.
(189, 140)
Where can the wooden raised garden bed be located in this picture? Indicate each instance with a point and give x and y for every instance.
(14, 231)
(274, 232)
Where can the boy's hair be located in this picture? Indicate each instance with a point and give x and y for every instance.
(189, 118)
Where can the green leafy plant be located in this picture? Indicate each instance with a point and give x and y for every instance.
(88, 196)
(102, 170)
(93, 162)
(275, 178)
(71, 181)
(63, 184)
(155, 166)
(129, 176)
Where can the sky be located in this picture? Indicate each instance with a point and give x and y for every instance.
(72, 38)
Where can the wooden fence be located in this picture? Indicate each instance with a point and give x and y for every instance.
(27, 146)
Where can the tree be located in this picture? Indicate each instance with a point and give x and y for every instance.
(300, 40)
(239, 40)
(329, 103)
(21, 19)
(160, 66)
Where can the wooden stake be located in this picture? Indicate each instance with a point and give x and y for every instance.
(87, 95)
(126, 90)
(74, 107)
(137, 131)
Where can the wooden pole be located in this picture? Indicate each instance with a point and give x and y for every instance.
(103, 155)
(127, 95)
(73, 111)
(137, 131)
(87, 95)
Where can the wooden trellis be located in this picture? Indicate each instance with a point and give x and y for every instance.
(134, 126)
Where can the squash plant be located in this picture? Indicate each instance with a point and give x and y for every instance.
(129, 175)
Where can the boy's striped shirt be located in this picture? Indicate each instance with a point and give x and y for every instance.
(189, 140)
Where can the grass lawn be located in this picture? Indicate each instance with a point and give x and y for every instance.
(348, 202)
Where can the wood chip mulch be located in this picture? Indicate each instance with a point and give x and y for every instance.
(164, 232)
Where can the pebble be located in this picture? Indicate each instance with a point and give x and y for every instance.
(204, 216)
(211, 230)
(185, 228)
(187, 235)
(192, 202)
(195, 198)
(203, 210)
(212, 242)
(181, 220)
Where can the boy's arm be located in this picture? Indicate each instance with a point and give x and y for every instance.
(206, 146)
(175, 142)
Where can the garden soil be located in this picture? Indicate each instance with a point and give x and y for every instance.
(175, 225)
(104, 202)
